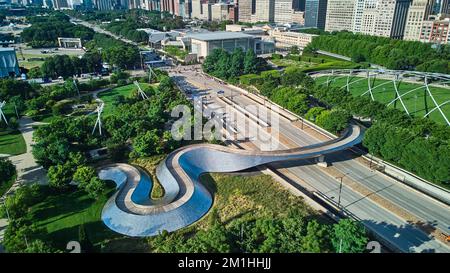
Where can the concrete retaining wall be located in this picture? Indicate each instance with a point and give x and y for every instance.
(399, 174)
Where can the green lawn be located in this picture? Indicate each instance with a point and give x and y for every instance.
(416, 102)
(310, 63)
(109, 96)
(250, 196)
(12, 142)
(59, 216)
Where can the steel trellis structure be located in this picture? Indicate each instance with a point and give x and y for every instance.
(392, 77)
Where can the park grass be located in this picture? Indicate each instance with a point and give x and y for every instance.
(110, 96)
(241, 196)
(12, 142)
(59, 216)
(250, 196)
(309, 63)
(415, 102)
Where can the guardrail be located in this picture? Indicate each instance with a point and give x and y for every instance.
(245, 112)
(403, 176)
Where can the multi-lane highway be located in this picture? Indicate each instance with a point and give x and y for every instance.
(391, 209)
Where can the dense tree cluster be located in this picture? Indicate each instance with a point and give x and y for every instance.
(60, 145)
(136, 18)
(128, 30)
(10, 88)
(7, 171)
(19, 233)
(45, 30)
(115, 52)
(391, 53)
(68, 66)
(228, 66)
(416, 144)
(290, 234)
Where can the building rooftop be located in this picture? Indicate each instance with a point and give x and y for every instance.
(7, 49)
(219, 35)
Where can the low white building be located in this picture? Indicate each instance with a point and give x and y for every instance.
(287, 39)
(203, 44)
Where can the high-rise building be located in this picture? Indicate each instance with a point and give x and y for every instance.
(60, 4)
(419, 11)
(391, 18)
(283, 11)
(441, 7)
(340, 15)
(315, 13)
(358, 15)
(369, 16)
(298, 17)
(298, 5)
(221, 11)
(206, 11)
(264, 11)
(103, 4)
(245, 10)
(196, 9)
(436, 29)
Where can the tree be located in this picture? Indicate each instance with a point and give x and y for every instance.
(214, 240)
(95, 187)
(16, 235)
(60, 176)
(250, 62)
(21, 200)
(294, 76)
(295, 50)
(7, 170)
(316, 239)
(83, 176)
(51, 151)
(209, 65)
(222, 69)
(358, 58)
(146, 144)
(236, 63)
(349, 237)
(334, 121)
(83, 239)
(313, 113)
(19, 103)
(38, 246)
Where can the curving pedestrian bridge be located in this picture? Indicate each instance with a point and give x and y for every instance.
(130, 211)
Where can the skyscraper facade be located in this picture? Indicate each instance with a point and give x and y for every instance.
(283, 11)
(264, 11)
(315, 13)
(245, 10)
(419, 11)
(340, 15)
(391, 18)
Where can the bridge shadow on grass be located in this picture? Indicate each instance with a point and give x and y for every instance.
(55, 206)
(410, 236)
(96, 231)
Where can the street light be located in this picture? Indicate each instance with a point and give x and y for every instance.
(340, 188)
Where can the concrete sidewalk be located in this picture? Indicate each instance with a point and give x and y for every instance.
(28, 171)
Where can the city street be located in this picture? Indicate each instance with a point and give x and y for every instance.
(366, 194)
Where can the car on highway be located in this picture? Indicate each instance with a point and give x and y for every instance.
(220, 92)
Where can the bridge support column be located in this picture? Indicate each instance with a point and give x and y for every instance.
(320, 161)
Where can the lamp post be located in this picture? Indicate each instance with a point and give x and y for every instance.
(340, 188)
